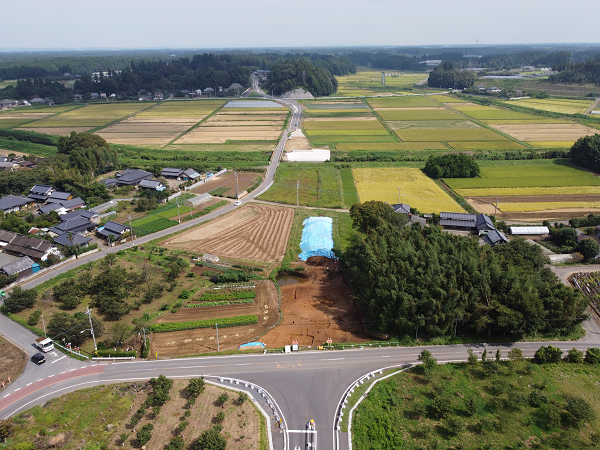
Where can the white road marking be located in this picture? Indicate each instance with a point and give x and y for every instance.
(332, 359)
(28, 385)
(386, 356)
(244, 364)
(39, 380)
(303, 431)
(190, 367)
(72, 370)
(58, 360)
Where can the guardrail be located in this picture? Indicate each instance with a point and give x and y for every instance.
(71, 351)
(113, 358)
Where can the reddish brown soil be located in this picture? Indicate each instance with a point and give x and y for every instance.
(245, 180)
(12, 362)
(204, 340)
(317, 310)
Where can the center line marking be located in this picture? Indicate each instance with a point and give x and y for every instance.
(332, 359)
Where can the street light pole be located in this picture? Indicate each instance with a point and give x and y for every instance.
(130, 229)
(178, 216)
(89, 313)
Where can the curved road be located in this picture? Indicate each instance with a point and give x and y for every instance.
(299, 386)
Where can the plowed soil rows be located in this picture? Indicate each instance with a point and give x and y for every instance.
(255, 232)
(546, 132)
(191, 342)
(317, 309)
(245, 180)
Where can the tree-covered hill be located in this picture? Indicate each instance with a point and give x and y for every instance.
(300, 73)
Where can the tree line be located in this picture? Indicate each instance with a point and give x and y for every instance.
(422, 281)
(582, 72)
(447, 76)
(301, 73)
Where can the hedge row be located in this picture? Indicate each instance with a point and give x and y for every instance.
(229, 296)
(222, 323)
(114, 353)
(223, 303)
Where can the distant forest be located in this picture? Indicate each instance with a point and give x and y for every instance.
(198, 72)
(583, 72)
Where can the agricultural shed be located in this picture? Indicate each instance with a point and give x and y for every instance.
(210, 258)
(112, 229)
(171, 172)
(52, 207)
(58, 196)
(35, 248)
(92, 216)
(6, 237)
(413, 218)
(20, 267)
(152, 184)
(132, 177)
(9, 166)
(198, 199)
(110, 183)
(462, 221)
(74, 225)
(494, 237)
(524, 231)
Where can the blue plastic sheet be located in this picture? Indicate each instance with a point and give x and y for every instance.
(317, 238)
(251, 345)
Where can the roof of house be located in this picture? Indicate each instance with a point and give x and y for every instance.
(191, 173)
(494, 237)
(41, 189)
(133, 176)
(74, 239)
(171, 172)
(50, 207)
(417, 219)
(58, 196)
(150, 184)
(7, 164)
(79, 213)
(401, 208)
(17, 266)
(73, 203)
(72, 225)
(112, 229)
(236, 86)
(464, 220)
(36, 248)
(484, 222)
(7, 236)
(12, 201)
(110, 182)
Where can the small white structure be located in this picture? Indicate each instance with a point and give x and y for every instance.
(529, 231)
(314, 155)
(210, 258)
(195, 201)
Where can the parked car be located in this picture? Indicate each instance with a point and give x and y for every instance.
(38, 358)
(238, 203)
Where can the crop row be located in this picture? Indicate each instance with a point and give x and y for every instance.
(149, 225)
(222, 303)
(209, 323)
(229, 296)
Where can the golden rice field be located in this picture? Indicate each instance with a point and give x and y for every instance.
(565, 106)
(391, 146)
(451, 134)
(418, 190)
(182, 109)
(491, 145)
(90, 116)
(552, 144)
(368, 82)
(409, 101)
(545, 206)
(517, 191)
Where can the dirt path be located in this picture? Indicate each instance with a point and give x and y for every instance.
(316, 310)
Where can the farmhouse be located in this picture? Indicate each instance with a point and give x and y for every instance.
(92, 216)
(58, 196)
(13, 203)
(72, 240)
(32, 247)
(112, 230)
(187, 174)
(494, 237)
(152, 184)
(493, 90)
(21, 267)
(52, 207)
(484, 224)
(461, 221)
(132, 177)
(40, 193)
(529, 231)
(110, 183)
(8, 165)
(401, 208)
(208, 91)
(74, 225)
(6, 237)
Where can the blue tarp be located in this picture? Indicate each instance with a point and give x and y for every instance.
(252, 344)
(317, 238)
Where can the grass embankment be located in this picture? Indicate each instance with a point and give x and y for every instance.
(522, 405)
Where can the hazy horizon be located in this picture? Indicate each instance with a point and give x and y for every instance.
(68, 25)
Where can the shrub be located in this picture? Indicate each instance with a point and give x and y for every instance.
(536, 398)
(183, 424)
(123, 438)
(515, 355)
(592, 356)
(580, 411)
(222, 399)
(472, 359)
(441, 407)
(471, 405)
(176, 443)
(34, 318)
(419, 410)
(145, 348)
(220, 417)
(547, 355)
(574, 356)
(211, 440)
(160, 390)
(185, 294)
(144, 434)
(114, 353)
(195, 387)
(242, 398)
(454, 425)
(24, 446)
(20, 299)
(223, 323)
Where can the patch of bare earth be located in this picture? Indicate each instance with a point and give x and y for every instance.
(245, 180)
(191, 342)
(318, 309)
(547, 132)
(12, 362)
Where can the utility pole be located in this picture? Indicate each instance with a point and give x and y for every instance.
(89, 313)
(399, 195)
(191, 215)
(217, 328)
(496, 207)
(130, 229)
(297, 197)
(237, 192)
(44, 323)
(178, 216)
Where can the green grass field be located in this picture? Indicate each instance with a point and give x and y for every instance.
(181, 109)
(367, 81)
(320, 186)
(409, 101)
(395, 146)
(517, 405)
(418, 114)
(453, 134)
(564, 106)
(91, 115)
(448, 99)
(544, 174)
(489, 113)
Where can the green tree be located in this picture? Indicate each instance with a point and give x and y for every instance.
(20, 299)
(515, 354)
(472, 359)
(592, 356)
(451, 165)
(69, 327)
(373, 214)
(195, 387)
(177, 443)
(144, 434)
(67, 293)
(585, 152)
(110, 289)
(34, 318)
(588, 248)
(222, 399)
(211, 439)
(547, 355)
(120, 332)
(580, 411)
(574, 356)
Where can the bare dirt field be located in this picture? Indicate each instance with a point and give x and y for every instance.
(192, 342)
(59, 131)
(245, 180)
(145, 131)
(12, 362)
(215, 135)
(255, 232)
(299, 142)
(316, 310)
(547, 132)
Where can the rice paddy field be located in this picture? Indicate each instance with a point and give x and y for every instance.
(416, 189)
(534, 189)
(367, 82)
(564, 106)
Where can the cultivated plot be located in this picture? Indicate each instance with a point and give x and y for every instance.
(369, 82)
(564, 106)
(90, 116)
(416, 189)
(255, 232)
(547, 132)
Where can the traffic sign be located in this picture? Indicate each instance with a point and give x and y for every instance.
(329, 341)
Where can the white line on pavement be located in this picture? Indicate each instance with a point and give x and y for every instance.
(58, 359)
(332, 359)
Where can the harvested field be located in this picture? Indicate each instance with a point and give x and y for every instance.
(91, 115)
(190, 342)
(12, 362)
(58, 131)
(543, 198)
(190, 109)
(211, 135)
(533, 191)
(229, 117)
(552, 144)
(531, 120)
(317, 309)
(450, 134)
(136, 131)
(255, 232)
(544, 211)
(259, 146)
(392, 146)
(547, 132)
(299, 142)
(341, 119)
(310, 125)
(245, 180)
(564, 106)
(485, 145)
(418, 190)
(242, 123)
(432, 124)
(540, 206)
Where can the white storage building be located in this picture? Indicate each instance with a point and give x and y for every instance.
(524, 231)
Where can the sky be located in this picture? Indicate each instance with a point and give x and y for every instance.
(127, 24)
